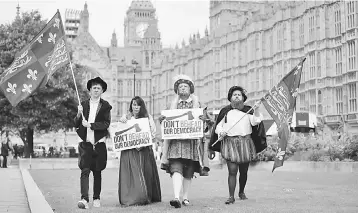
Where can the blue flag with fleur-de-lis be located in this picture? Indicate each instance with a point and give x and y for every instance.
(280, 103)
(36, 62)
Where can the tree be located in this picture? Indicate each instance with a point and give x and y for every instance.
(50, 108)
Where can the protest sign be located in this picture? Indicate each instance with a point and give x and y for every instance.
(133, 134)
(182, 124)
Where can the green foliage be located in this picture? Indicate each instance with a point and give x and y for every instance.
(351, 150)
(17, 34)
(323, 148)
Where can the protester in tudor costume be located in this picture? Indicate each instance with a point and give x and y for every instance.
(92, 131)
(182, 157)
(239, 144)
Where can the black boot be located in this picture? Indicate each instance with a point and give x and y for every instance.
(176, 203)
(230, 200)
(242, 196)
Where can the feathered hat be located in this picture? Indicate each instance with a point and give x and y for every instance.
(179, 79)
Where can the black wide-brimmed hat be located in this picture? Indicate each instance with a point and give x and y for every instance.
(99, 81)
(234, 88)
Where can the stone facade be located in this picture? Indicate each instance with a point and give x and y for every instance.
(72, 23)
(114, 64)
(254, 44)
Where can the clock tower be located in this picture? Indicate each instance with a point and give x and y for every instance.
(140, 15)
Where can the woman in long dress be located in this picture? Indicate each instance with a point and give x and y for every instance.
(138, 174)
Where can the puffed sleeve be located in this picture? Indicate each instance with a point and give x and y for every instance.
(219, 128)
(255, 120)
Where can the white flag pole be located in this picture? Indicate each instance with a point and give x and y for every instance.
(74, 81)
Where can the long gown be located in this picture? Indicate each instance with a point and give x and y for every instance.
(138, 175)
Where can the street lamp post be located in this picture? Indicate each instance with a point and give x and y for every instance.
(154, 90)
(134, 63)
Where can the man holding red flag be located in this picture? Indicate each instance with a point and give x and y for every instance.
(243, 135)
(280, 103)
(36, 62)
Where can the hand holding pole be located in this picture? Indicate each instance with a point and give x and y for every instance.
(257, 104)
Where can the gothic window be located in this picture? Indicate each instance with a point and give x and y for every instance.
(257, 79)
(313, 101)
(351, 55)
(352, 87)
(146, 58)
(302, 102)
(319, 64)
(301, 32)
(271, 79)
(129, 88)
(311, 25)
(153, 55)
(339, 100)
(312, 65)
(351, 14)
(120, 108)
(138, 88)
(318, 24)
(257, 43)
(319, 96)
(337, 23)
(120, 88)
(217, 89)
(338, 52)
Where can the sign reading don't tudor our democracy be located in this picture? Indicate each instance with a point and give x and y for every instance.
(133, 134)
(182, 124)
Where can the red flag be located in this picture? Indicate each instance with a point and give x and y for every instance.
(36, 62)
(280, 103)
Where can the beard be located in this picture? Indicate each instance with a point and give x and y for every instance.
(183, 93)
(237, 104)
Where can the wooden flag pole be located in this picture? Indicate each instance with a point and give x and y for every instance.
(74, 81)
(252, 108)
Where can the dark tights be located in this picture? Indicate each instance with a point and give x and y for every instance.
(233, 168)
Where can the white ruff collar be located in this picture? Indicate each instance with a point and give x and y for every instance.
(187, 100)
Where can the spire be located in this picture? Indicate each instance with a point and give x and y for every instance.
(84, 21)
(183, 44)
(194, 39)
(198, 35)
(18, 10)
(176, 46)
(114, 42)
(206, 31)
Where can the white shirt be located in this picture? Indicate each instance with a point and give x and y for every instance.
(91, 119)
(242, 128)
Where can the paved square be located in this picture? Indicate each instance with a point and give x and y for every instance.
(12, 192)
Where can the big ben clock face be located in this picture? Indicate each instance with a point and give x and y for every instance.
(141, 28)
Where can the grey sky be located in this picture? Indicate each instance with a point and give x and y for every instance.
(177, 18)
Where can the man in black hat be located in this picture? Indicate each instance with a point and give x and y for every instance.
(92, 130)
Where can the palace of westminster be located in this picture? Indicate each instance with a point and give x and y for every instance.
(251, 44)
